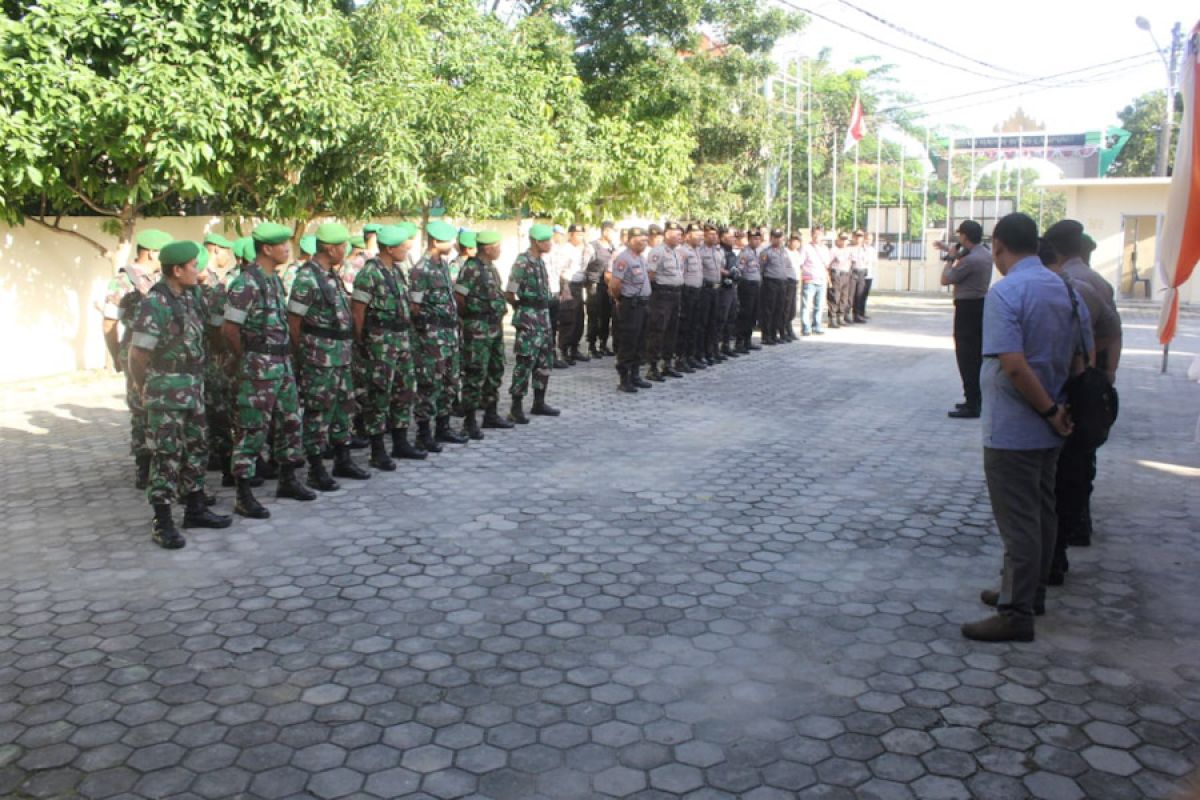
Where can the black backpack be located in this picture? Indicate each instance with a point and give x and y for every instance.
(1092, 399)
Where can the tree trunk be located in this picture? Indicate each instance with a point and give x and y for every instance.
(122, 252)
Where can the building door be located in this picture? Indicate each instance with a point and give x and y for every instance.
(1139, 255)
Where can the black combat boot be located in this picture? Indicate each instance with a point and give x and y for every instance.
(637, 380)
(358, 438)
(318, 476)
(668, 372)
(682, 365)
(559, 363)
(728, 351)
(267, 470)
(402, 449)
(344, 466)
(443, 433)
(593, 352)
(166, 535)
(539, 405)
(578, 356)
(379, 454)
(290, 487)
(604, 349)
(197, 515)
(247, 505)
(142, 479)
(626, 384)
(227, 478)
(470, 427)
(517, 414)
(425, 438)
(492, 418)
(653, 374)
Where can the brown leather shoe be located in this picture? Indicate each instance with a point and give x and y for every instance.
(1000, 628)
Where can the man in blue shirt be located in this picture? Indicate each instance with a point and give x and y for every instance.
(1030, 339)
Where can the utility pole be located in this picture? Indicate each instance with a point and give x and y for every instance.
(1164, 136)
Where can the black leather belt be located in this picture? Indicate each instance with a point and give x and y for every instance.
(322, 332)
(658, 287)
(178, 367)
(264, 349)
(635, 300)
(483, 317)
(395, 325)
(709, 285)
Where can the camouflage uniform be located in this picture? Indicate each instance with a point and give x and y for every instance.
(325, 356)
(121, 300)
(534, 345)
(437, 340)
(483, 333)
(387, 350)
(266, 386)
(172, 328)
(217, 386)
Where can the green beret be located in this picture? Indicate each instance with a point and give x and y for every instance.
(271, 233)
(371, 227)
(392, 235)
(487, 237)
(441, 231)
(332, 233)
(410, 230)
(541, 233)
(467, 238)
(243, 248)
(179, 252)
(218, 240)
(359, 241)
(152, 239)
(308, 245)
(202, 258)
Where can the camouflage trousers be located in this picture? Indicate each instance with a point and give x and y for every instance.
(534, 352)
(218, 402)
(328, 397)
(391, 384)
(456, 369)
(137, 418)
(178, 443)
(435, 357)
(483, 363)
(269, 404)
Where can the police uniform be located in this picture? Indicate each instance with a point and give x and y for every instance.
(571, 262)
(727, 301)
(707, 318)
(775, 269)
(690, 324)
(599, 303)
(749, 294)
(840, 286)
(662, 323)
(631, 306)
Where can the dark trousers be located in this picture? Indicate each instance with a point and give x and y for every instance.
(570, 319)
(789, 309)
(839, 298)
(553, 308)
(1073, 496)
(689, 316)
(748, 297)
(858, 285)
(860, 298)
(968, 347)
(727, 313)
(599, 314)
(1021, 487)
(706, 323)
(774, 293)
(662, 323)
(629, 333)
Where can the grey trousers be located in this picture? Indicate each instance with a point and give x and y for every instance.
(1021, 486)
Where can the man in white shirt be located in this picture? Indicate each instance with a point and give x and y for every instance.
(571, 259)
(839, 282)
(814, 278)
(862, 274)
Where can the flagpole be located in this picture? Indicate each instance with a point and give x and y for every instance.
(972, 192)
(855, 226)
(950, 188)
(924, 208)
(835, 179)
(808, 96)
(791, 138)
(903, 221)
(878, 176)
(1045, 157)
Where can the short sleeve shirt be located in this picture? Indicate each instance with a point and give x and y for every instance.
(775, 263)
(814, 263)
(383, 291)
(630, 269)
(711, 261)
(750, 265)
(326, 334)
(693, 268)
(667, 265)
(430, 287)
(972, 274)
(602, 256)
(1028, 312)
(483, 296)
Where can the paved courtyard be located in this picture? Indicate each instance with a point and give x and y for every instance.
(746, 584)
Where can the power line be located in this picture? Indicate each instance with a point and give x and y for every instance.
(978, 92)
(940, 46)
(892, 45)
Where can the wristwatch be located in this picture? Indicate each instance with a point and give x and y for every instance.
(1049, 412)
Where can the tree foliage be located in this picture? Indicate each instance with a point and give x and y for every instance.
(1143, 118)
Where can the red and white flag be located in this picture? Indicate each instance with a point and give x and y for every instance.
(858, 126)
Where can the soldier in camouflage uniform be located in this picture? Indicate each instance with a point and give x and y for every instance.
(121, 299)
(467, 248)
(482, 306)
(323, 340)
(256, 334)
(166, 368)
(529, 292)
(435, 317)
(218, 404)
(382, 329)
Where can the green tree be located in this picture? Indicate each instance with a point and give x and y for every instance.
(1143, 118)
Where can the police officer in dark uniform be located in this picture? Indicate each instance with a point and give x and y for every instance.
(599, 302)
(665, 266)
(712, 258)
(727, 298)
(749, 292)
